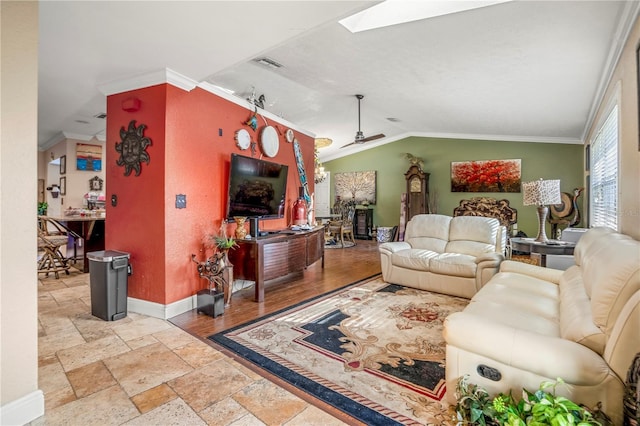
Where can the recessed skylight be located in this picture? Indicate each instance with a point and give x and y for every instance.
(392, 12)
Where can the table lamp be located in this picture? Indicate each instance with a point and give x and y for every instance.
(541, 193)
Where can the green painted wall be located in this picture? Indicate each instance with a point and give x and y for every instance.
(539, 160)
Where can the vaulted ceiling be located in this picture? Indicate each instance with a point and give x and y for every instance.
(520, 70)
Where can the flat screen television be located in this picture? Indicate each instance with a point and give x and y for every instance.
(257, 188)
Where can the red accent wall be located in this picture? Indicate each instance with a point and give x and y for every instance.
(188, 156)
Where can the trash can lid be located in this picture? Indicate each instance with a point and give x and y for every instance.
(106, 255)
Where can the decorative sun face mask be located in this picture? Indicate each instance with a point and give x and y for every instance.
(133, 147)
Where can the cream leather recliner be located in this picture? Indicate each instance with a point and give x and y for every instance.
(530, 324)
(444, 254)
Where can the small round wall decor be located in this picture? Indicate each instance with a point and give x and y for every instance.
(243, 139)
(269, 141)
(133, 147)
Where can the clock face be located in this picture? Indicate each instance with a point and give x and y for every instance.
(415, 185)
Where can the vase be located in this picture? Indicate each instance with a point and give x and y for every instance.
(299, 210)
(241, 231)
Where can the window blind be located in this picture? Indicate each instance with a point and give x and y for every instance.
(603, 203)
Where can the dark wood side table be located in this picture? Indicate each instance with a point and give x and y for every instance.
(553, 247)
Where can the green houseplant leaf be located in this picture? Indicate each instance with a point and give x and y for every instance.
(540, 408)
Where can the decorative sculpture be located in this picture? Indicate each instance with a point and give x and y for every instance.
(566, 213)
(414, 161)
(133, 147)
(218, 271)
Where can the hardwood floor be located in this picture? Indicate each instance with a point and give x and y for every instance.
(342, 267)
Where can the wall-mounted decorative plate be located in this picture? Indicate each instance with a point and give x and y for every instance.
(289, 134)
(243, 139)
(269, 141)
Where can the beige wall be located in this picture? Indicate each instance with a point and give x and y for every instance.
(18, 197)
(624, 83)
(77, 180)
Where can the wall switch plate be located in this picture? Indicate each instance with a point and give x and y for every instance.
(181, 201)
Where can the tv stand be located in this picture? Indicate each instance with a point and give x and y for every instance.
(276, 255)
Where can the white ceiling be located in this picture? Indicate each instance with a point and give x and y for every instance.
(522, 70)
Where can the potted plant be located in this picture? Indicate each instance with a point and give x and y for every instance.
(220, 242)
(540, 408)
(42, 209)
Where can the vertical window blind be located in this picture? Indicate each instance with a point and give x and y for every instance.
(604, 174)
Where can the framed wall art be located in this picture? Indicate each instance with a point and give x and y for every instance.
(357, 186)
(486, 176)
(88, 157)
(63, 164)
(63, 186)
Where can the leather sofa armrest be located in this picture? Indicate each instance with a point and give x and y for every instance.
(547, 274)
(394, 247)
(493, 258)
(525, 350)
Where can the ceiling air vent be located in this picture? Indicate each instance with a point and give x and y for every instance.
(102, 115)
(268, 62)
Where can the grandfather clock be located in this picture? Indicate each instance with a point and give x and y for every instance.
(417, 191)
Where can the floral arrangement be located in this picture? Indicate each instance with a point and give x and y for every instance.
(540, 408)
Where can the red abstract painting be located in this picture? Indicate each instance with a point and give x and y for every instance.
(485, 176)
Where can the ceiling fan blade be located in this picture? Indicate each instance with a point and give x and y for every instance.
(359, 135)
(349, 144)
(372, 138)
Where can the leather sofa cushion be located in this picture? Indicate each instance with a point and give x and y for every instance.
(576, 322)
(522, 293)
(413, 259)
(456, 264)
(471, 248)
(611, 290)
(473, 235)
(513, 317)
(428, 231)
(519, 301)
(587, 240)
(474, 228)
(428, 243)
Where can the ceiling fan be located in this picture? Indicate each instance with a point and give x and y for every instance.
(359, 135)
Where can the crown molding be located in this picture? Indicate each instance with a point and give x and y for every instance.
(354, 149)
(62, 136)
(53, 141)
(152, 78)
(627, 20)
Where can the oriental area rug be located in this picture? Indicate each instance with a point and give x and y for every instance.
(372, 350)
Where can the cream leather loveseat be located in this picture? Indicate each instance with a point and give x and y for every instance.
(451, 255)
(529, 324)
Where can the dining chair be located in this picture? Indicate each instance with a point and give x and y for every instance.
(51, 237)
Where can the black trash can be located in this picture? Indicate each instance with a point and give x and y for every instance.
(108, 275)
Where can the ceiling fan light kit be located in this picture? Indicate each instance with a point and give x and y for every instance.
(360, 138)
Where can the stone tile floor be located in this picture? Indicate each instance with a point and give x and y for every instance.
(145, 371)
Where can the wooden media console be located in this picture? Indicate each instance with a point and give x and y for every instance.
(276, 255)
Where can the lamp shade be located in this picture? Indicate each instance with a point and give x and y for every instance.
(541, 192)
